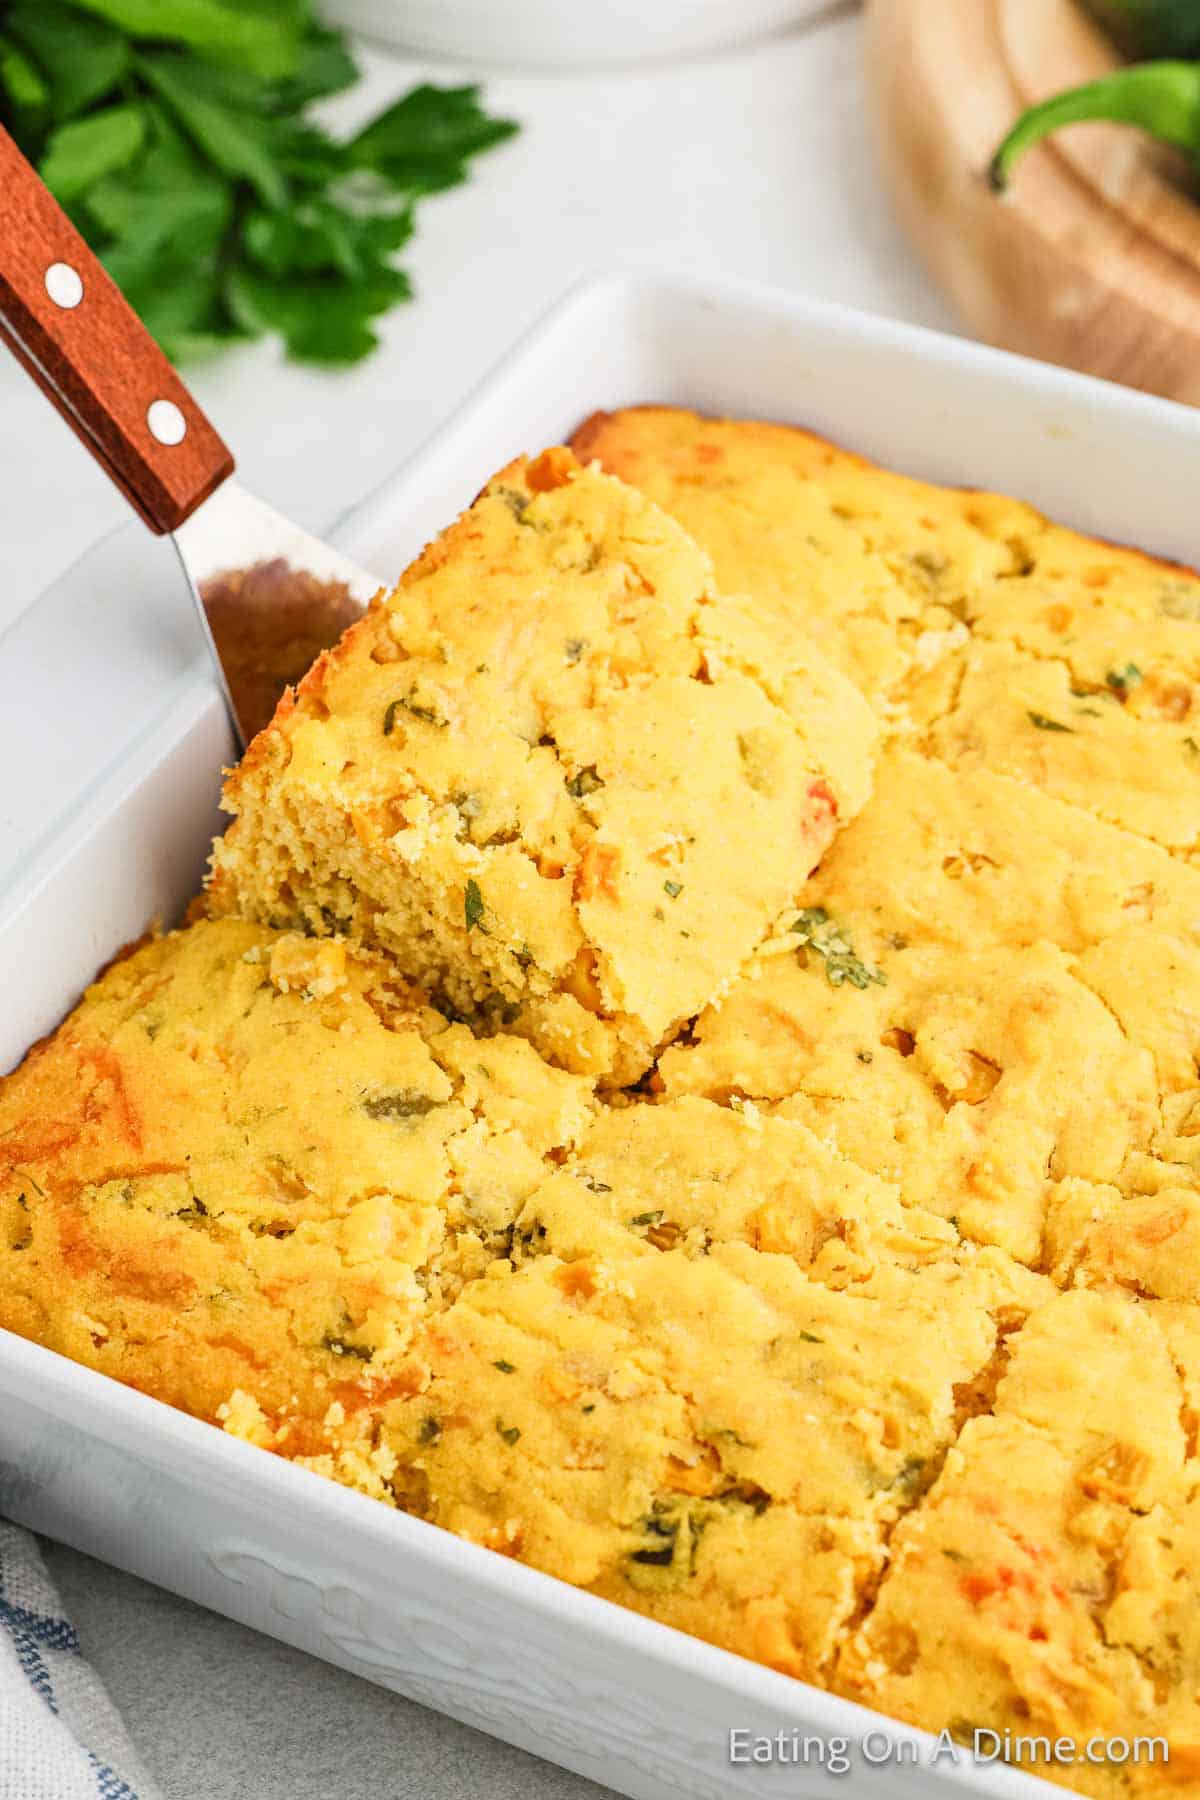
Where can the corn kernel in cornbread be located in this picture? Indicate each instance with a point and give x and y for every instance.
(246, 1163)
(553, 774)
(1045, 1586)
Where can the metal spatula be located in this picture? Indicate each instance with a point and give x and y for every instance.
(269, 595)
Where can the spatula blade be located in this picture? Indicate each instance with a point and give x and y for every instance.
(271, 597)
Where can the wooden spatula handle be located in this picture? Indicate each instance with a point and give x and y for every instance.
(84, 345)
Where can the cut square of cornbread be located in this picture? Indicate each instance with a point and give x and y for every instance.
(689, 1172)
(878, 567)
(553, 775)
(247, 1164)
(1128, 751)
(971, 1079)
(1120, 619)
(891, 575)
(927, 1026)
(1146, 1240)
(964, 857)
(1045, 1585)
(716, 1434)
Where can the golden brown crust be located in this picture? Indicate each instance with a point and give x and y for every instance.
(615, 440)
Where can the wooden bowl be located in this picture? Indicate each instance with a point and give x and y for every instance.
(1093, 257)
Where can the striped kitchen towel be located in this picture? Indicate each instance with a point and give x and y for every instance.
(61, 1737)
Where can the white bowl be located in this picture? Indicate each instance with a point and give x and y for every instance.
(115, 725)
(567, 33)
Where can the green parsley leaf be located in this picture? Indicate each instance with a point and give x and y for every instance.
(423, 143)
(323, 66)
(818, 932)
(318, 236)
(183, 310)
(176, 132)
(265, 45)
(674, 888)
(20, 78)
(510, 1433)
(1045, 724)
(165, 222)
(81, 59)
(237, 140)
(472, 905)
(505, 1368)
(324, 319)
(1121, 680)
(81, 153)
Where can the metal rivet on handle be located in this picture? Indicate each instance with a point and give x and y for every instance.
(64, 285)
(166, 422)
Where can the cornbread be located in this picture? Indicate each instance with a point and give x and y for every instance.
(554, 775)
(659, 1350)
(1046, 1587)
(1007, 642)
(1130, 758)
(879, 568)
(718, 1434)
(972, 1060)
(246, 1163)
(692, 1080)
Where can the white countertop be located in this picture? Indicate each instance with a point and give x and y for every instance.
(755, 163)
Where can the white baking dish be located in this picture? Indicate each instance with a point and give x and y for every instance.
(111, 771)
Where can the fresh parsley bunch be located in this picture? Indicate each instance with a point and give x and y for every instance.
(175, 133)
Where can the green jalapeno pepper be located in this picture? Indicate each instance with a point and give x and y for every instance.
(1162, 98)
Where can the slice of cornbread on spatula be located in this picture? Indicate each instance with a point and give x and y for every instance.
(554, 777)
